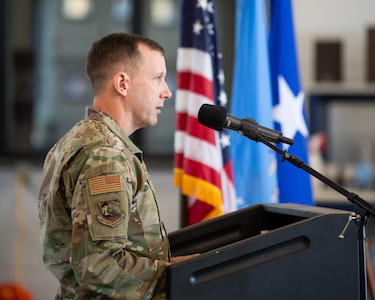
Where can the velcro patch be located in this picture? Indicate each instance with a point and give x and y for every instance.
(105, 184)
(144, 169)
(110, 212)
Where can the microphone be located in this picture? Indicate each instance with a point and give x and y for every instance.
(216, 117)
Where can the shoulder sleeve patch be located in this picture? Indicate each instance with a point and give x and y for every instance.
(105, 184)
(111, 213)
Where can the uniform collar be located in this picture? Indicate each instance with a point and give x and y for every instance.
(92, 113)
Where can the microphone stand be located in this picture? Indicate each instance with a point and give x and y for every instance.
(362, 209)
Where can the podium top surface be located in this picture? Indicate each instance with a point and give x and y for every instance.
(300, 208)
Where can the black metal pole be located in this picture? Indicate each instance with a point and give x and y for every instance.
(3, 76)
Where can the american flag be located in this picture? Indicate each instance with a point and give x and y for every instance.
(203, 168)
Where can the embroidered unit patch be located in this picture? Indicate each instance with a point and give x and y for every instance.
(105, 184)
(110, 212)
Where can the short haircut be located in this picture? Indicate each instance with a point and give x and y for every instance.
(115, 52)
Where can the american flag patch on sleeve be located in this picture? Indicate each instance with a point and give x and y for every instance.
(105, 184)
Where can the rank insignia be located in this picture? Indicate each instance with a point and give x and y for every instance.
(110, 212)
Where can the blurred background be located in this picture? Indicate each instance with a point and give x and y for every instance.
(43, 45)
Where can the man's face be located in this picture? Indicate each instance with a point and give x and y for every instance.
(148, 89)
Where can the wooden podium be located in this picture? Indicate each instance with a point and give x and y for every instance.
(272, 251)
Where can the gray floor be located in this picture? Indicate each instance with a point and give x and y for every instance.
(20, 253)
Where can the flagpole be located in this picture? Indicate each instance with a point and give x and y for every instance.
(183, 210)
(362, 209)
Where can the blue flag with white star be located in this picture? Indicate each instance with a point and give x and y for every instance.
(254, 164)
(289, 111)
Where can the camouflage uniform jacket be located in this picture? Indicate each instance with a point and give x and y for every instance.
(101, 232)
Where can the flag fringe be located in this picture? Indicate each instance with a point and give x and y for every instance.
(201, 190)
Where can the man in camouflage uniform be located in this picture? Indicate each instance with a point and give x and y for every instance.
(101, 231)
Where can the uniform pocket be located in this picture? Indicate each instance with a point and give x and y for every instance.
(107, 201)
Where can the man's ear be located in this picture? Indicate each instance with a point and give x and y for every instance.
(121, 82)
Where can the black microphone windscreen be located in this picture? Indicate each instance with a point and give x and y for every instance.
(212, 116)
